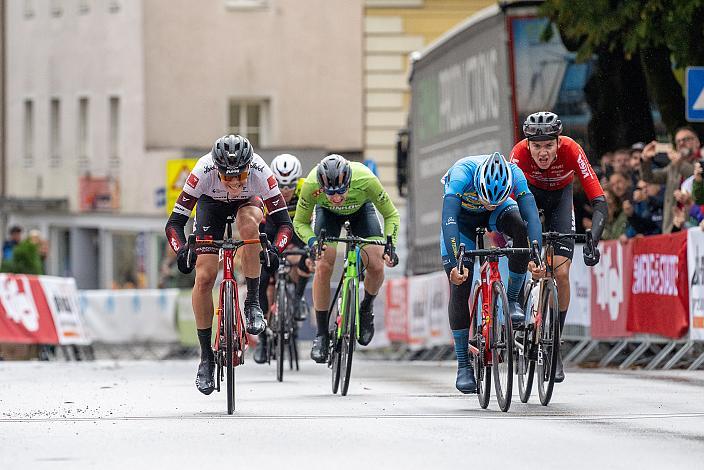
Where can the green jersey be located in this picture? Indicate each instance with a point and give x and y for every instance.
(364, 187)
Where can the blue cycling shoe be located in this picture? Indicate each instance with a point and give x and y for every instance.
(466, 382)
(518, 318)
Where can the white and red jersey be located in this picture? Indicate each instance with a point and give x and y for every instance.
(570, 160)
(204, 181)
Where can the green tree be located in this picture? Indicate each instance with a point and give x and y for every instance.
(25, 259)
(662, 35)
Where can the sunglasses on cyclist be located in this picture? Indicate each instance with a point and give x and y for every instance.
(241, 176)
(288, 186)
(336, 190)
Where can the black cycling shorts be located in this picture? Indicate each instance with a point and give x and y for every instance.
(558, 212)
(363, 223)
(211, 216)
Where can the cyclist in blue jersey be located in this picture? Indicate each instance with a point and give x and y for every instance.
(476, 194)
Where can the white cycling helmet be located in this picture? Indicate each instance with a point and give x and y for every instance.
(287, 169)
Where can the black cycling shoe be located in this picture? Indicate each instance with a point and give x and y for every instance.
(205, 379)
(300, 310)
(366, 326)
(260, 351)
(319, 352)
(559, 368)
(466, 383)
(255, 318)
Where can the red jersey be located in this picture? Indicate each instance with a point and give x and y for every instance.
(570, 160)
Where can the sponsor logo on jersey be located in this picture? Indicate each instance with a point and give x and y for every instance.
(208, 168)
(206, 228)
(185, 199)
(383, 197)
(254, 166)
(317, 192)
(192, 181)
(272, 182)
(583, 166)
(450, 221)
(344, 208)
(174, 243)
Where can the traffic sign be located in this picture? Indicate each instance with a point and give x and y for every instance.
(695, 94)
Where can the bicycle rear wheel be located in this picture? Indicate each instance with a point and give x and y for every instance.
(482, 373)
(229, 324)
(349, 335)
(501, 346)
(549, 343)
(525, 362)
(281, 313)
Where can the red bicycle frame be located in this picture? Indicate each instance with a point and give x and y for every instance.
(488, 274)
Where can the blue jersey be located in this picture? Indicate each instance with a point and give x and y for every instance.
(459, 181)
(461, 195)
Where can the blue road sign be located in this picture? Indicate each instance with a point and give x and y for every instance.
(695, 94)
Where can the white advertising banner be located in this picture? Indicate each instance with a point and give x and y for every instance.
(428, 297)
(695, 272)
(130, 315)
(579, 312)
(62, 298)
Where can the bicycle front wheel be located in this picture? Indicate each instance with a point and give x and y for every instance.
(525, 350)
(349, 335)
(229, 325)
(482, 372)
(501, 346)
(549, 343)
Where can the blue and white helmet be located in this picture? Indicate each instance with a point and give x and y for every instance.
(493, 180)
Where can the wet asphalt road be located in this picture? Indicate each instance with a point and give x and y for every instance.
(148, 414)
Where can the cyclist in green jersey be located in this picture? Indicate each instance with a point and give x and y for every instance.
(340, 191)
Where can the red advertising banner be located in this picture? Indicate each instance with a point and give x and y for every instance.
(659, 291)
(396, 310)
(611, 283)
(25, 316)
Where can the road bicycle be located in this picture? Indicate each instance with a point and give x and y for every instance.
(282, 331)
(346, 331)
(491, 332)
(537, 346)
(230, 340)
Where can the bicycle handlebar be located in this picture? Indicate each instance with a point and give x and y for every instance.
(554, 236)
(194, 243)
(322, 238)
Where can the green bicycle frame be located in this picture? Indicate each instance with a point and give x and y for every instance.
(351, 276)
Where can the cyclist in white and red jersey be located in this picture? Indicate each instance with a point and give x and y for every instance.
(550, 161)
(230, 180)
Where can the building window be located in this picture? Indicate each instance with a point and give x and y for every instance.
(83, 158)
(246, 4)
(114, 133)
(28, 134)
(56, 8)
(28, 9)
(55, 133)
(83, 7)
(248, 118)
(114, 6)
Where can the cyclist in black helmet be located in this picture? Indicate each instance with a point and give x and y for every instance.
(229, 180)
(339, 191)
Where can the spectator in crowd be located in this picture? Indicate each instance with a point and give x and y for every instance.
(617, 221)
(35, 236)
(604, 170)
(15, 236)
(635, 153)
(681, 166)
(698, 189)
(620, 162)
(619, 186)
(644, 210)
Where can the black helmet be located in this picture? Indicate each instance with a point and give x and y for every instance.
(232, 154)
(334, 174)
(542, 125)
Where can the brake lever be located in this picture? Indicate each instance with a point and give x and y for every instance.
(264, 242)
(321, 242)
(460, 259)
(535, 253)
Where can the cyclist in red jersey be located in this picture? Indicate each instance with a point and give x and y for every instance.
(550, 162)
